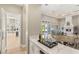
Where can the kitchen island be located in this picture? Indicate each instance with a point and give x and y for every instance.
(36, 47)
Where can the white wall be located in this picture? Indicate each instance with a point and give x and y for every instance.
(12, 9)
(24, 28)
(75, 20)
(34, 16)
(52, 20)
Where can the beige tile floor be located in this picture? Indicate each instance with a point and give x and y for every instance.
(13, 44)
(17, 51)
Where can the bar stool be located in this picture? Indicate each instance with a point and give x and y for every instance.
(76, 42)
(65, 43)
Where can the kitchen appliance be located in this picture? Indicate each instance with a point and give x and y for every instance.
(49, 44)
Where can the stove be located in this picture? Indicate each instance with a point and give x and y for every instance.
(49, 44)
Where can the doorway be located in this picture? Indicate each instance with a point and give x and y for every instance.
(13, 32)
(10, 32)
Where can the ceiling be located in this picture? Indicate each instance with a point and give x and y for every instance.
(60, 10)
(20, 5)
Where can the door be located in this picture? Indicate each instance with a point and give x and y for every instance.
(13, 30)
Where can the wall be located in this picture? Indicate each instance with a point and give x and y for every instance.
(34, 16)
(52, 20)
(13, 9)
(24, 28)
(61, 21)
(75, 20)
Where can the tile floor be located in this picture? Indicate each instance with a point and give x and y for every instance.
(17, 51)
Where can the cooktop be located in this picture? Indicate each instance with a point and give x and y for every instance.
(49, 44)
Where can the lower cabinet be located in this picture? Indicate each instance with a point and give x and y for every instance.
(34, 49)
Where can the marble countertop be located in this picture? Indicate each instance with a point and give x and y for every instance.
(65, 38)
(59, 49)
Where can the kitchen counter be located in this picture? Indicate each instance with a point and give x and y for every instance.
(65, 38)
(59, 49)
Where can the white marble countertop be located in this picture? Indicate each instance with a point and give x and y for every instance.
(59, 49)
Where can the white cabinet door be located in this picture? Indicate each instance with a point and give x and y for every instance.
(31, 50)
(34, 49)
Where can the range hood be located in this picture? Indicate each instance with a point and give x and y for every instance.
(68, 26)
